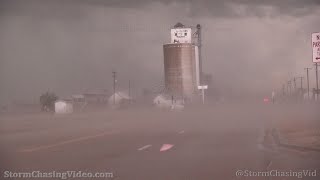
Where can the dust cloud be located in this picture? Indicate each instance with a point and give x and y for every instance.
(70, 47)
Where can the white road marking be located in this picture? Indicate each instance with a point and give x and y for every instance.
(261, 147)
(65, 142)
(181, 132)
(166, 147)
(269, 165)
(262, 135)
(144, 147)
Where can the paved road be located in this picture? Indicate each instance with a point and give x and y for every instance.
(212, 143)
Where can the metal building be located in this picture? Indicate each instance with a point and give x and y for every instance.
(180, 68)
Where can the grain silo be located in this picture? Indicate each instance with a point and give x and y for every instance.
(181, 63)
(180, 69)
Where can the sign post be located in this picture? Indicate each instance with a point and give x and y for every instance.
(317, 81)
(202, 88)
(316, 55)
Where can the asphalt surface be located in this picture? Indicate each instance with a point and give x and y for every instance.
(202, 144)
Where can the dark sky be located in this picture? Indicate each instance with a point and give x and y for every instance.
(71, 46)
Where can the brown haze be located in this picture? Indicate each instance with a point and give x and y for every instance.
(72, 46)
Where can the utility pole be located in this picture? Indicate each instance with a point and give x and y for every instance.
(114, 86)
(301, 88)
(308, 81)
(294, 84)
(289, 85)
(299, 77)
(283, 89)
(129, 89)
(317, 82)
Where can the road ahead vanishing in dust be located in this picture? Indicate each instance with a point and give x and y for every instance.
(136, 144)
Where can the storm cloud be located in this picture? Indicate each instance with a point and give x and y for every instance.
(216, 8)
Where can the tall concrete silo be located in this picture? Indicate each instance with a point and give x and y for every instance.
(180, 68)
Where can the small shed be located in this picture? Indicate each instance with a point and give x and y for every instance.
(165, 102)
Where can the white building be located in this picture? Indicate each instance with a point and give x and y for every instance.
(63, 107)
(119, 98)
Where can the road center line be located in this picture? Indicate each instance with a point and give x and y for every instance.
(65, 142)
(166, 147)
(144, 147)
(269, 165)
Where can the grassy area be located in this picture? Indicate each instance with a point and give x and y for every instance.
(300, 132)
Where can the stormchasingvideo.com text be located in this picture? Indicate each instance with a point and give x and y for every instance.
(55, 174)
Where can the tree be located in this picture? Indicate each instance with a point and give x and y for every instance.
(47, 101)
